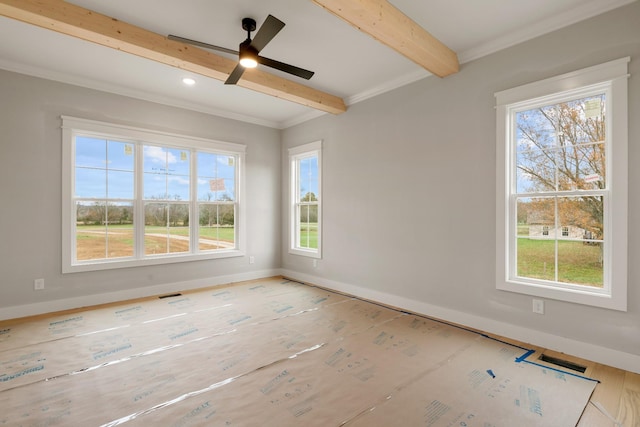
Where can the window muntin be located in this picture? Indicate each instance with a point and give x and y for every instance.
(306, 178)
(573, 203)
(139, 197)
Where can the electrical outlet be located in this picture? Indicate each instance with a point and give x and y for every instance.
(315, 263)
(38, 284)
(252, 260)
(538, 306)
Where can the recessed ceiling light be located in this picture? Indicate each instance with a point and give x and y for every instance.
(188, 81)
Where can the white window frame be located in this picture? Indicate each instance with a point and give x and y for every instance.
(613, 76)
(312, 149)
(72, 126)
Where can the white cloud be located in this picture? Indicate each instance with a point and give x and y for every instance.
(158, 155)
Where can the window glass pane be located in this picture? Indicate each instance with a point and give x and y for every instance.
(582, 167)
(91, 152)
(308, 179)
(580, 263)
(166, 228)
(99, 238)
(155, 187)
(178, 187)
(91, 183)
(178, 227)
(523, 206)
(308, 229)
(90, 230)
(536, 258)
(104, 169)
(155, 228)
(155, 159)
(536, 170)
(583, 216)
(120, 238)
(584, 120)
(216, 177)
(120, 185)
(120, 155)
(217, 227)
(166, 173)
(561, 145)
(536, 238)
(538, 215)
(181, 164)
(207, 164)
(229, 191)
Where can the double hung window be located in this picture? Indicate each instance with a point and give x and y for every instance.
(562, 184)
(137, 197)
(306, 198)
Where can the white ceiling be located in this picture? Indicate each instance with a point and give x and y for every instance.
(347, 63)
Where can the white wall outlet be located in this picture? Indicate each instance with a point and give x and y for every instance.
(315, 263)
(538, 306)
(38, 284)
(252, 260)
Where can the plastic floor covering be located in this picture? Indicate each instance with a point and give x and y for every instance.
(271, 353)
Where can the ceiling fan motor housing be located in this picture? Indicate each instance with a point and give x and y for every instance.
(248, 24)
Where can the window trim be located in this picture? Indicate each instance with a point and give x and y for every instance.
(615, 75)
(72, 126)
(295, 154)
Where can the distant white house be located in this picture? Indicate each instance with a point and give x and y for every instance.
(542, 228)
(541, 231)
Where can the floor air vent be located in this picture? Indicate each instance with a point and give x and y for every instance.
(563, 363)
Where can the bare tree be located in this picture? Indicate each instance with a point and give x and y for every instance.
(562, 148)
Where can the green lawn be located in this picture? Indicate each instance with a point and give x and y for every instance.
(309, 235)
(577, 261)
(218, 233)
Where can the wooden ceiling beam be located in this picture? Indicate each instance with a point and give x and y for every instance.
(385, 23)
(85, 24)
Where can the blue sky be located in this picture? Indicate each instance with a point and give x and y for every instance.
(106, 166)
(308, 176)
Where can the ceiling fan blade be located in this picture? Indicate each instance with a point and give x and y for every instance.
(201, 44)
(291, 69)
(235, 75)
(267, 31)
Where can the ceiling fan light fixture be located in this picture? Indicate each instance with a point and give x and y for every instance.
(248, 62)
(248, 55)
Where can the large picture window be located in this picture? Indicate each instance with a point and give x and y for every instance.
(306, 196)
(562, 205)
(138, 197)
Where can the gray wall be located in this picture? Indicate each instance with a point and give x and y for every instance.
(30, 190)
(409, 186)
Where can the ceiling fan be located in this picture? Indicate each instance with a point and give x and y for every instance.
(249, 49)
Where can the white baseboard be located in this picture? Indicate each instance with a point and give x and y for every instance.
(105, 298)
(618, 359)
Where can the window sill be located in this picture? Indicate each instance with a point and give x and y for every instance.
(597, 297)
(306, 253)
(163, 259)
